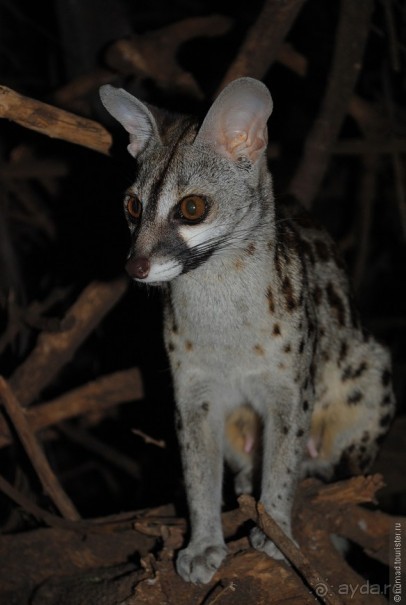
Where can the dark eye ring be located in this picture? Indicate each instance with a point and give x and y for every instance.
(192, 209)
(133, 206)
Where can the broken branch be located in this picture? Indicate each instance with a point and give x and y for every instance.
(53, 122)
(96, 396)
(54, 349)
(36, 455)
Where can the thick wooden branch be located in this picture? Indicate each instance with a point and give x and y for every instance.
(245, 576)
(351, 38)
(264, 40)
(154, 54)
(53, 122)
(54, 349)
(96, 396)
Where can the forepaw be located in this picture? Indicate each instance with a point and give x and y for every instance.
(261, 542)
(198, 564)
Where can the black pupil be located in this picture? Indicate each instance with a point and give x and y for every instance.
(135, 206)
(191, 207)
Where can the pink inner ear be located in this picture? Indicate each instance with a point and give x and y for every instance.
(236, 123)
(246, 144)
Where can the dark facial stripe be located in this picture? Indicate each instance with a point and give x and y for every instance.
(160, 181)
(195, 259)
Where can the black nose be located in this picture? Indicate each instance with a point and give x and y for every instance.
(138, 267)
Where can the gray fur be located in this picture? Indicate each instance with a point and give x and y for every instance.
(259, 322)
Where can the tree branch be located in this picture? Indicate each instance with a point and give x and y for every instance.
(54, 349)
(264, 40)
(36, 455)
(53, 122)
(351, 38)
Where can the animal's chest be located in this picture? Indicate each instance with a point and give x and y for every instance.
(229, 327)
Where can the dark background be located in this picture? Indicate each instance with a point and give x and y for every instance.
(64, 231)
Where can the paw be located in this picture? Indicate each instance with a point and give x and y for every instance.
(198, 563)
(261, 542)
(243, 483)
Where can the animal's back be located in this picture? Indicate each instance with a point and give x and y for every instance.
(354, 402)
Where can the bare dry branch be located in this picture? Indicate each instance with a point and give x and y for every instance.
(95, 396)
(53, 122)
(54, 349)
(350, 43)
(36, 455)
(154, 54)
(264, 40)
(292, 552)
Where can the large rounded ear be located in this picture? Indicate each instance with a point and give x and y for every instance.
(132, 114)
(236, 122)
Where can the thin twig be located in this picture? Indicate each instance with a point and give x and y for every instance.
(37, 457)
(158, 442)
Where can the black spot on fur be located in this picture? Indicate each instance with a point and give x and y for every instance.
(285, 430)
(385, 420)
(305, 405)
(360, 370)
(171, 346)
(287, 290)
(349, 372)
(336, 303)
(365, 437)
(354, 397)
(276, 330)
(343, 351)
(387, 400)
(300, 433)
(301, 346)
(205, 406)
(271, 301)
(287, 348)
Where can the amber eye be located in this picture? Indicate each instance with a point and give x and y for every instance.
(134, 206)
(193, 208)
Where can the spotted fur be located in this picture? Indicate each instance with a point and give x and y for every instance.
(266, 348)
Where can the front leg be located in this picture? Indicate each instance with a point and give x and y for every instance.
(286, 420)
(200, 427)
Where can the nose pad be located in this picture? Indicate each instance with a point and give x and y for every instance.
(138, 267)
